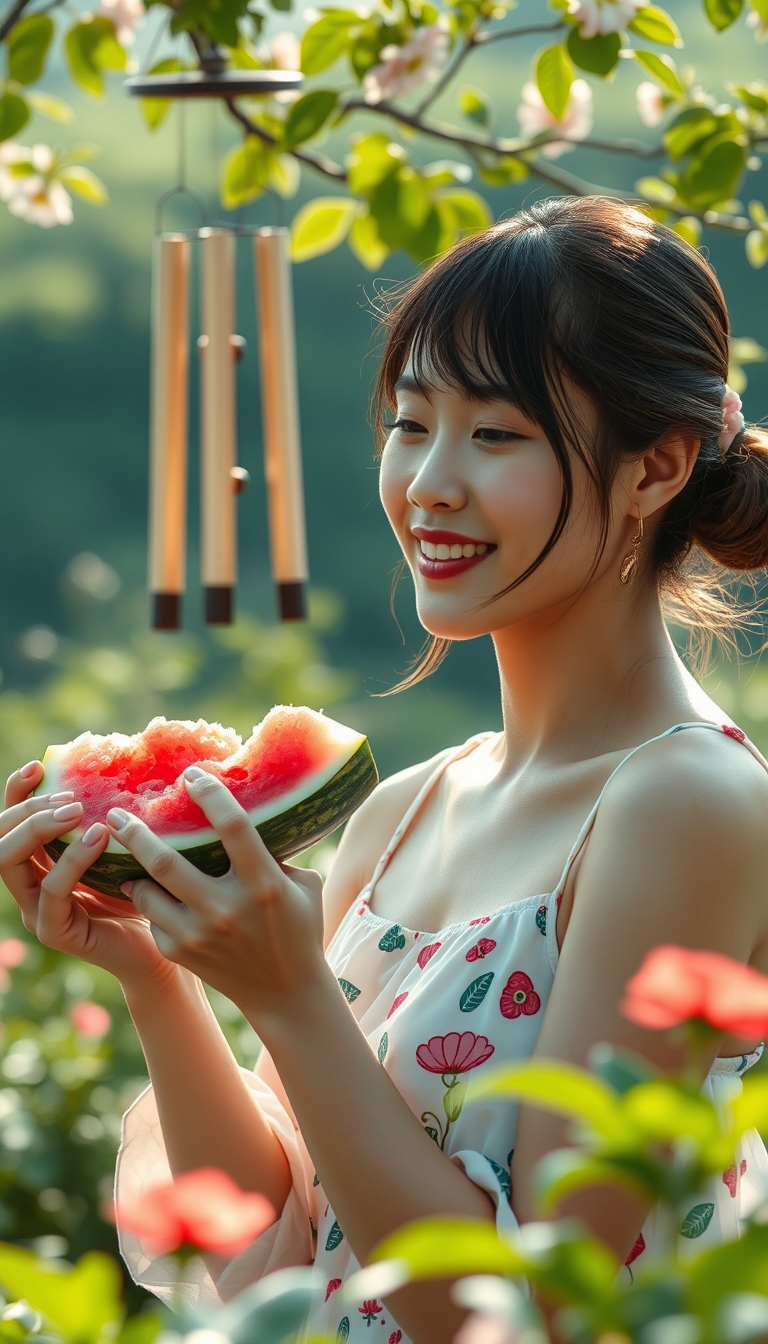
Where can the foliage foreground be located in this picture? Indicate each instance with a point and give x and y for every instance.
(656, 1135)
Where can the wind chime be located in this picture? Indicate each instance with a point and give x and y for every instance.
(219, 349)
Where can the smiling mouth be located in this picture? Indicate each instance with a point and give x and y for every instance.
(455, 551)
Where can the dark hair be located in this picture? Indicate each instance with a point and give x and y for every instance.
(592, 291)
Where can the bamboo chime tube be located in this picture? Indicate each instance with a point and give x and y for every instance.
(217, 424)
(282, 443)
(168, 428)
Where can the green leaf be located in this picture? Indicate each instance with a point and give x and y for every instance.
(597, 54)
(656, 25)
(557, 1087)
(319, 226)
(756, 247)
(85, 184)
(28, 45)
(439, 1248)
(282, 6)
(689, 228)
(554, 76)
(739, 1266)
(393, 940)
(49, 106)
(342, 1334)
(696, 1221)
(662, 1111)
(308, 116)
(746, 351)
(579, 1270)
(284, 175)
(663, 69)
(217, 18)
(367, 246)
(325, 40)
(246, 172)
(475, 993)
(383, 1048)
(335, 1238)
(565, 1171)
(690, 128)
(722, 13)
(712, 176)
(81, 1303)
(350, 991)
(475, 106)
(372, 158)
(14, 113)
(754, 96)
(505, 171)
(91, 48)
(155, 110)
(656, 189)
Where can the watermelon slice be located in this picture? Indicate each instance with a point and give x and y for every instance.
(299, 776)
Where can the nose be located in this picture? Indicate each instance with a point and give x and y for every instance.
(435, 485)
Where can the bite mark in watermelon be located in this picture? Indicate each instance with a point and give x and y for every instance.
(299, 776)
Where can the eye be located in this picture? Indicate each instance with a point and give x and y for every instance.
(496, 437)
(406, 426)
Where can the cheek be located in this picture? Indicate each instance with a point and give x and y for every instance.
(394, 480)
(522, 502)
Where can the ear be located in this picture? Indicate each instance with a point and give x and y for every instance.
(663, 471)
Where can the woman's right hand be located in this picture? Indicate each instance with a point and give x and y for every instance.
(62, 914)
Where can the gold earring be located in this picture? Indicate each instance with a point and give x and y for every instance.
(629, 563)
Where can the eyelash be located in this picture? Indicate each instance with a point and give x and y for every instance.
(504, 435)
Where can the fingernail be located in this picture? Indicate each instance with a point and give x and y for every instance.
(126, 887)
(193, 773)
(27, 771)
(69, 813)
(117, 818)
(94, 834)
(65, 797)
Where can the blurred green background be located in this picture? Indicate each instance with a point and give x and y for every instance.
(75, 649)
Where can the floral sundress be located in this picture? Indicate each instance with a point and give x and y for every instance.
(435, 1007)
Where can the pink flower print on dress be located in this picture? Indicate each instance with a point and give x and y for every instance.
(396, 1003)
(333, 1284)
(481, 949)
(426, 953)
(731, 731)
(731, 1176)
(395, 1337)
(454, 1053)
(518, 996)
(370, 1310)
(637, 1250)
(483, 919)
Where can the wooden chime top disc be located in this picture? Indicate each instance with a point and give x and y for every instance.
(202, 84)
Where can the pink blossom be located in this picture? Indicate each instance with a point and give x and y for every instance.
(454, 1053)
(125, 14)
(603, 16)
(90, 1019)
(534, 116)
(12, 952)
(650, 103)
(519, 996)
(201, 1208)
(404, 69)
(733, 420)
(285, 51)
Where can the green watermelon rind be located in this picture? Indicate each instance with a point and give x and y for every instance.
(285, 834)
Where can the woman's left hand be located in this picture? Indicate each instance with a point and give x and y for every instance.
(255, 934)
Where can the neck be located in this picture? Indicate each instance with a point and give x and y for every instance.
(592, 676)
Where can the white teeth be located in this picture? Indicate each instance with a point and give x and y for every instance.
(456, 551)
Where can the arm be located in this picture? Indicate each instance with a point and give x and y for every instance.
(678, 855)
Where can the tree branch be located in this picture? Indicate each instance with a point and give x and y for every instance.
(449, 73)
(9, 20)
(482, 39)
(319, 162)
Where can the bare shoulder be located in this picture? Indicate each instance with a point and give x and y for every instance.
(367, 835)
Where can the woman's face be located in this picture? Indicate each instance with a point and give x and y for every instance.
(473, 491)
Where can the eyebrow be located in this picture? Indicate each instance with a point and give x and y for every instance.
(407, 383)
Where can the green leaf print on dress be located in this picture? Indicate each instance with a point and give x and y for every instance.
(697, 1220)
(383, 1048)
(503, 1176)
(334, 1238)
(475, 993)
(350, 991)
(392, 940)
(342, 1334)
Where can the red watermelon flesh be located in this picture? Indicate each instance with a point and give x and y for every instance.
(291, 749)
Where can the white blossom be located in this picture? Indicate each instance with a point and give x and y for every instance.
(650, 103)
(125, 15)
(285, 51)
(38, 197)
(760, 25)
(405, 68)
(603, 16)
(534, 116)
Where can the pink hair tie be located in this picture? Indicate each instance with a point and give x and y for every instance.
(733, 420)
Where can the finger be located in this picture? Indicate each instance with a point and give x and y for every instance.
(247, 852)
(56, 907)
(170, 871)
(162, 910)
(37, 830)
(12, 816)
(22, 782)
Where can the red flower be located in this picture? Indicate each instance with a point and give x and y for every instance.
(426, 953)
(333, 1284)
(395, 1337)
(731, 1176)
(90, 1019)
(637, 1249)
(396, 1003)
(481, 949)
(370, 1310)
(518, 996)
(676, 984)
(484, 919)
(454, 1053)
(730, 731)
(201, 1208)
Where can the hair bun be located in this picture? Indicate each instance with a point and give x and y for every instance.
(730, 518)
